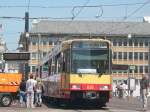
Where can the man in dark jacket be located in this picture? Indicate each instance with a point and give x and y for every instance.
(22, 92)
(144, 84)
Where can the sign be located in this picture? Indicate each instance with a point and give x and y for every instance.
(131, 83)
(16, 56)
(132, 67)
(118, 67)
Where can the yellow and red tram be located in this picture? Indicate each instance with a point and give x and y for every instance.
(78, 69)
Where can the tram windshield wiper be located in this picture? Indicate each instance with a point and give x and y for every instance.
(80, 74)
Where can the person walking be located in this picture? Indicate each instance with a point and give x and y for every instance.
(39, 91)
(144, 84)
(120, 91)
(114, 88)
(22, 93)
(124, 89)
(30, 88)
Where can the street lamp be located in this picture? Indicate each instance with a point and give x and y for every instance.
(27, 35)
(39, 54)
(26, 65)
(149, 60)
(129, 36)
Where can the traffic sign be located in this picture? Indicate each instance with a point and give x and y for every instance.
(132, 67)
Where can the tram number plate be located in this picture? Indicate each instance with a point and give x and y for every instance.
(90, 87)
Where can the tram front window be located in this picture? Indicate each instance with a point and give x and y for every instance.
(89, 61)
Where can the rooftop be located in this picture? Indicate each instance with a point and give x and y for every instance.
(92, 27)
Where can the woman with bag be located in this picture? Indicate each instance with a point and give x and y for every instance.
(39, 91)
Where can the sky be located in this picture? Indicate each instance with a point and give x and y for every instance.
(72, 10)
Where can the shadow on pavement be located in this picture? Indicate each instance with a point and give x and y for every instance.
(73, 105)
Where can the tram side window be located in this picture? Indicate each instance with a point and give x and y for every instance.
(58, 63)
(66, 65)
(53, 66)
(49, 67)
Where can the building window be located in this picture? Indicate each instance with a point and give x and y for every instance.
(119, 43)
(135, 43)
(50, 42)
(141, 69)
(130, 43)
(33, 55)
(33, 69)
(141, 56)
(119, 55)
(146, 55)
(141, 43)
(125, 55)
(34, 43)
(114, 55)
(130, 55)
(56, 42)
(146, 43)
(136, 55)
(1, 56)
(146, 69)
(114, 43)
(130, 71)
(44, 54)
(125, 43)
(136, 69)
(44, 43)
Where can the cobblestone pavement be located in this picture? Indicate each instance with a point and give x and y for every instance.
(115, 105)
(127, 104)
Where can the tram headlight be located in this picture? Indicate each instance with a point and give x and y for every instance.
(104, 87)
(75, 86)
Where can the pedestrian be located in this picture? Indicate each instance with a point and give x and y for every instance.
(114, 89)
(30, 88)
(22, 93)
(144, 84)
(34, 102)
(124, 89)
(120, 91)
(39, 91)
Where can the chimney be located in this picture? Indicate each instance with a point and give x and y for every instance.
(146, 19)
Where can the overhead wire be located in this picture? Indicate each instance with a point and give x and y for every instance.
(81, 8)
(100, 13)
(31, 18)
(37, 6)
(129, 15)
(136, 10)
(74, 8)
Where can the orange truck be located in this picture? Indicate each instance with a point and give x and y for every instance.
(9, 86)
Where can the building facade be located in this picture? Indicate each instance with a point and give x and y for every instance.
(130, 42)
(3, 49)
(131, 52)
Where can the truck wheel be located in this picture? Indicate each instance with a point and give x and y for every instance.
(6, 101)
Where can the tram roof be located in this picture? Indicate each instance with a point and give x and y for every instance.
(92, 27)
(72, 40)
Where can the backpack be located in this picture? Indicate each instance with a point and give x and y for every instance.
(144, 83)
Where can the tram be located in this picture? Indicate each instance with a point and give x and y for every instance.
(78, 69)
